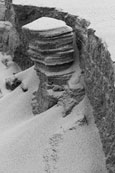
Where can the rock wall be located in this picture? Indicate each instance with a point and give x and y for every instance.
(11, 40)
(9, 35)
(2, 10)
(96, 68)
(5, 27)
(99, 80)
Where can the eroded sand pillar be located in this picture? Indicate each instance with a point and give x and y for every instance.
(51, 47)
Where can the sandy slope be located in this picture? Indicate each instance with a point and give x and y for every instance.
(46, 142)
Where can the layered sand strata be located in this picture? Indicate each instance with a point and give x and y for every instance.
(51, 47)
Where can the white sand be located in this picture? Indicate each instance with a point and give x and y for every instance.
(45, 23)
(101, 13)
(46, 143)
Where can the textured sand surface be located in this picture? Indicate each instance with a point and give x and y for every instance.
(46, 143)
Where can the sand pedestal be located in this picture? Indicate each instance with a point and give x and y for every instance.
(51, 47)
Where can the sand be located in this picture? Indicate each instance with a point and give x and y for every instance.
(48, 142)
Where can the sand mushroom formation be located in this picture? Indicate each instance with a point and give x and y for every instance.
(51, 48)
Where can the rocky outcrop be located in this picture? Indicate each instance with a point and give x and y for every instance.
(99, 80)
(10, 13)
(52, 50)
(5, 28)
(12, 83)
(21, 15)
(2, 10)
(11, 40)
(96, 68)
(26, 14)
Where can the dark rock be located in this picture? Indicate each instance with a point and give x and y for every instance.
(13, 41)
(26, 14)
(11, 84)
(5, 28)
(58, 88)
(42, 101)
(1, 95)
(2, 10)
(24, 88)
(99, 79)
